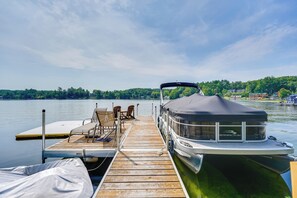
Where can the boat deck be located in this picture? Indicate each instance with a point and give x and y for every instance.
(143, 168)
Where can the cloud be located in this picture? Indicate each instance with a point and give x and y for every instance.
(102, 39)
(197, 33)
(245, 51)
(260, 72)
(146, 41)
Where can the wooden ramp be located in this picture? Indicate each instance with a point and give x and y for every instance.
(143, 168)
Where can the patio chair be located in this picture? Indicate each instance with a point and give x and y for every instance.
(107, 124)
(89, 128)
(116, 109)
(129, 114)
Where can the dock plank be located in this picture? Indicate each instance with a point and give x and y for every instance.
(143, 185)
(124, 172)
(137, 163)
(147, 158)
(142, 155)
(142, 166)
(142, 193)
(140, 178)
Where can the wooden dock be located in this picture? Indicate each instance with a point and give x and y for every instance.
(143, 167)
(293, 165)
(78, 146)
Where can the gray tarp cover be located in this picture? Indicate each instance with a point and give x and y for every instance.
(212, 108)
(63, 178)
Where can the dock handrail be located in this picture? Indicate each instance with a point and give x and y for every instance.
(118, 131)
(156, 117)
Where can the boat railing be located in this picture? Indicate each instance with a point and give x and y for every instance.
(233, 132)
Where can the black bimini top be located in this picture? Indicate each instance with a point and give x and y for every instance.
(212, 108)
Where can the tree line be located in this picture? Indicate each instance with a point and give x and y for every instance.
(282, 86)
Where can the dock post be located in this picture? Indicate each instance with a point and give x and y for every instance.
(118, 131)
(43, 135)
(167, 130)
(156, 119)
(96, 105)
(137, 109)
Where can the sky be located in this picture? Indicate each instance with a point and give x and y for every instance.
(114, 45)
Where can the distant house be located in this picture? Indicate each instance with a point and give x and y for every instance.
(274, 96)
(236, 90)
(236, 93)
(292, 99)
(235, 97)
(257, 96)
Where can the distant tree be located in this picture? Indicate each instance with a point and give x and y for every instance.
(270, 85)
(188, 91)
(155, 94)
(174, 94)
(282, 93)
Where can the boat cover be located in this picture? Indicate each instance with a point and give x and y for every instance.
(212, 108)
(63, 178)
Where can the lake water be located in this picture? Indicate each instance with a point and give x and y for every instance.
(18, 116)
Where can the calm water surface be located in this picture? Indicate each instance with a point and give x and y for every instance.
(19, 116)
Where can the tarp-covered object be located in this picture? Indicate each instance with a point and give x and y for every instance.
(63, 178)
(212, 108)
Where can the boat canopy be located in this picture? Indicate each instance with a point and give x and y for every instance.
(212, 108)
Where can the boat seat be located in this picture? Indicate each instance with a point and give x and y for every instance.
(87, 128)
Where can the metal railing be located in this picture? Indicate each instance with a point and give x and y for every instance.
(43, 135)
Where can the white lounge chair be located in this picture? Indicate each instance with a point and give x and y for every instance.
(89, 128)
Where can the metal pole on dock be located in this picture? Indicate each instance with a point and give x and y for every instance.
(118, 131)
(167, 130)
(137, 109)
(43, 135)
(156, 115)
